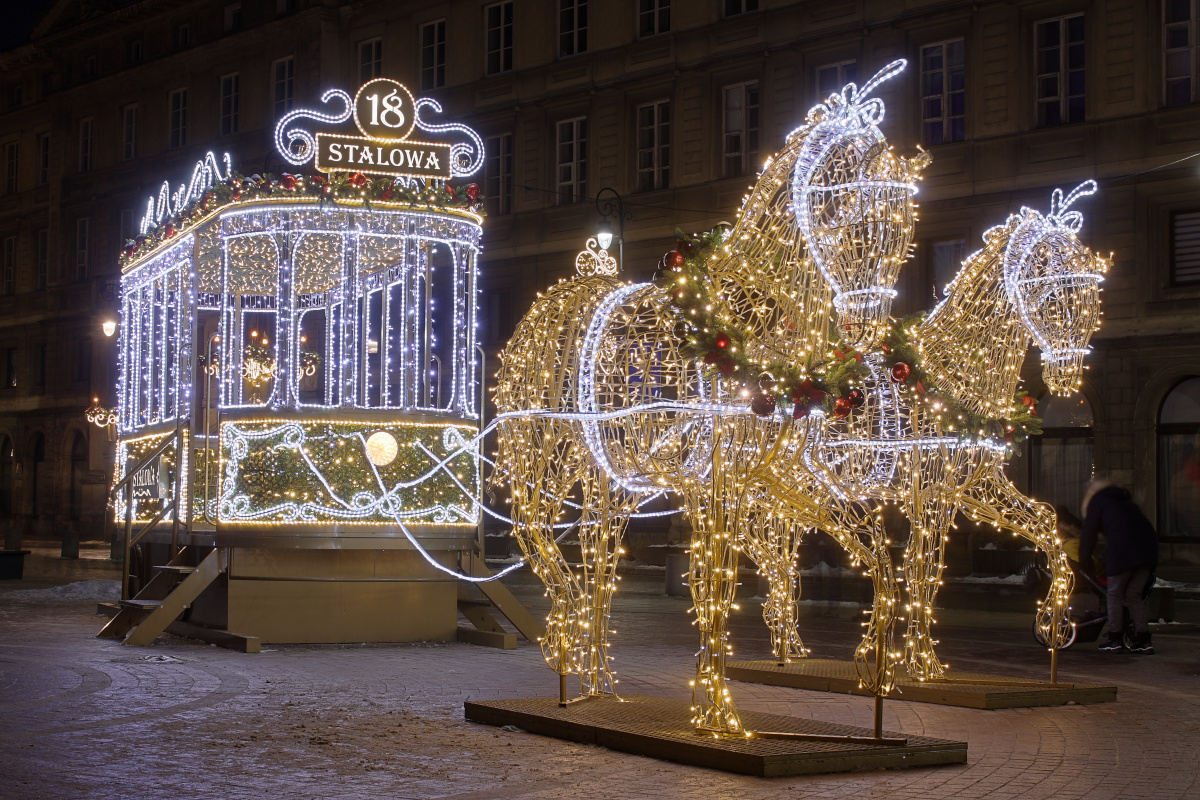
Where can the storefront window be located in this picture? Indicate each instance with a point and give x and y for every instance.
(1061, 458)
(1179, 462)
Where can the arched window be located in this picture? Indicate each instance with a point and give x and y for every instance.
(1179, 462)
(7, 463)
(79, 465)
(1060, 461)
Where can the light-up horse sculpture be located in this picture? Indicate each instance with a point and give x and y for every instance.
(595, 390)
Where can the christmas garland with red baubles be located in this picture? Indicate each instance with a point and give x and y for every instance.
(325, 189)
(832, 385)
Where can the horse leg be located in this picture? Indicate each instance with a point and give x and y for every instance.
(994, 499)
(778, 557)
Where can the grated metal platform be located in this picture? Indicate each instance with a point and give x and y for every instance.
(969, 690)
(661, 728)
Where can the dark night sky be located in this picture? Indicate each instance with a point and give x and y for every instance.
(19, 18)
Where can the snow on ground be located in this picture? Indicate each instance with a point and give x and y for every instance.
(95, 590)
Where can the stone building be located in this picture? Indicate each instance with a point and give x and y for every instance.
(672, 104)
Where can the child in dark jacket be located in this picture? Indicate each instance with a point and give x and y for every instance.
(1130, 556)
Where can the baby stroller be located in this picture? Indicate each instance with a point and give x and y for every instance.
(1086, 625)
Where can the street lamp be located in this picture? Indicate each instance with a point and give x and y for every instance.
(609, 204)
(109, 327)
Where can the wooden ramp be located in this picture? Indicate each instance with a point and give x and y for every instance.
(969, 690)
(661, 728)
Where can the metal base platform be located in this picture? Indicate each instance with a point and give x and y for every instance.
(661, 728)
(969, 690)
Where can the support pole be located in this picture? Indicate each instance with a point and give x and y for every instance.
(878, 680)
(1054, 665)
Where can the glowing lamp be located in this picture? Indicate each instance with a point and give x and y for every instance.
(109, 327)
(604, 235)
(382, 448)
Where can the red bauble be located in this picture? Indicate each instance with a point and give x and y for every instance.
(763, 405)
(170, 230)
(673, 259)
(288, 182)
(450, 191)
(722, 340)
(387, 194)
(237, 195)
(472, 192)
(856, 398)
(841, 407)
(358, 180)
(900, 372)
(1029, 402)
(726, 365)
(885, 347)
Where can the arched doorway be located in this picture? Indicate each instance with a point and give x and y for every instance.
(1178, 478)
(1061, 458)
(79, 465)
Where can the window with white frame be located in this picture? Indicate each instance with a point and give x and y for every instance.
(735, 7)
(497, 170)
(832, 77)
(370, 60)
(433, 54)
(177, 104)
(499, 21)
(83, 227)
(1178, 426)
(654, 146)
(8, 282)
(230, 90)
(129, 132)
(43, 156)
(283, 73)
(1185, 248)
(943, 92)
(1180, 51)
(41, 265)
(572, 27)
(1060, 70)
(572, 160)
(654, 17)
(12, 162)
(740, 150)
(85, 144)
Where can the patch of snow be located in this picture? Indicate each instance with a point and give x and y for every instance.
(824, 569)
(991, 579)
(96, 591)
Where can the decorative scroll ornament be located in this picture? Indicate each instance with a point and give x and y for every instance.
(100, 416)
(595, 260)
(205, 175)
(386, 114)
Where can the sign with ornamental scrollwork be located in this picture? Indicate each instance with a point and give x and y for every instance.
(386, 115)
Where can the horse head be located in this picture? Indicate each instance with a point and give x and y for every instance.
(852, 196)
(1053, 281)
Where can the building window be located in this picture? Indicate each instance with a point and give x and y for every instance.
(1185, 248)
(735, 7)
(498, 169)
(39, 366)
(284, 7)
(233, 17)
(1179, 462)
(11, 164)
(15, 96)
(370, 60)
(1060, 459)
(89, 67)
(1179, 51)
(283, 73)
(129, 132)
(8, 281)
(433, 55)
(1060, 70)
(43, 143)
(741, 129)
(135, 51)
(833, 77)
(572, 27)
(943, 92)
(10, 367)
(654, 17)
(229, 104)
(946, 256)
(41, 269)
(499, 37)
(85, 145)
(572, 160)
(183, 36)
(82, 249)
(178, 121)
(654, 146)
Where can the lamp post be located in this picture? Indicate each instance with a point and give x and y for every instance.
(609, 204)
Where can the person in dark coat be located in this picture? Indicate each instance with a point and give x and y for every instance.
(1130, 556)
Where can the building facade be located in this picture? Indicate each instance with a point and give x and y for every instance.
(674, 105)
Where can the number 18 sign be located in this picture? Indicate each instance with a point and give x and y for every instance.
(384, 111)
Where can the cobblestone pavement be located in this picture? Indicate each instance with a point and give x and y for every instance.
(88, 718)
